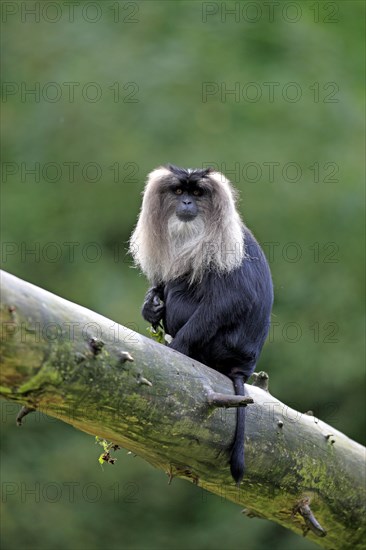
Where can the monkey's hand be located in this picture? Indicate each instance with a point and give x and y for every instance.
(153, 306)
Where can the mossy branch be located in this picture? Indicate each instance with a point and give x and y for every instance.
(107, 380)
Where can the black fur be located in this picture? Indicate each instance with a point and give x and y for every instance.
(189, 176)
(222, 322)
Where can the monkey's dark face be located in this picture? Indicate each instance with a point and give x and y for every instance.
(189, 192)
(186, 207)
(185, 199)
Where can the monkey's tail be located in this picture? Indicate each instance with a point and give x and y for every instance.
(237, 462)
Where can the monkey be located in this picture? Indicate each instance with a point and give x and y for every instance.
(211, 286)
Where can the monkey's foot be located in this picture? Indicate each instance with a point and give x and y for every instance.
(261, 380)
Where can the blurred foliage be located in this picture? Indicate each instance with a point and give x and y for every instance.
(311, 229)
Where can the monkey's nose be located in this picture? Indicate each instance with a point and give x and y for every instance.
(187, 201)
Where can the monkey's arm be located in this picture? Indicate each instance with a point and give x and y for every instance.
(153, 306)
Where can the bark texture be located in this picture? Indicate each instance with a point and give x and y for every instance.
(107, 380)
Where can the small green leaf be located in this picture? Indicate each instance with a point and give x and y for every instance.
(157, 335)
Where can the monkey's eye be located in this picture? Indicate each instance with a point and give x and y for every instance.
(178, 191)
(197, 192)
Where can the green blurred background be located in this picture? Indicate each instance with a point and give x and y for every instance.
(119, 88)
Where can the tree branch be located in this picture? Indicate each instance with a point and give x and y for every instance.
(106, 380)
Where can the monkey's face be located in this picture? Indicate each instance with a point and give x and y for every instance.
(182, 197)
(186, 207)
(182, 211)
(185, 203)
